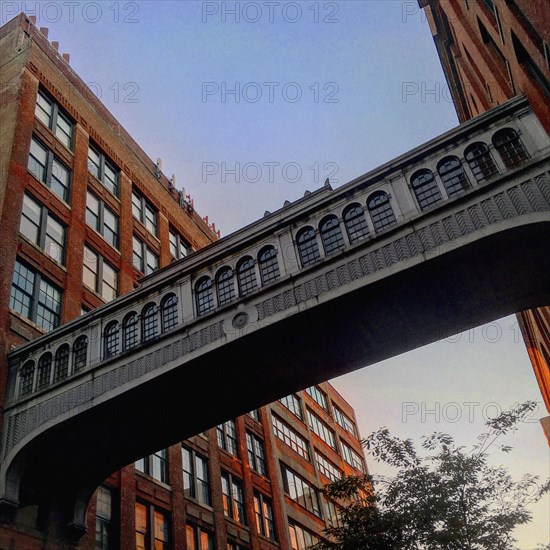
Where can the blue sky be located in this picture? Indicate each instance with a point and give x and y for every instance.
(321, 89)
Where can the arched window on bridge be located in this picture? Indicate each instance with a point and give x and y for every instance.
(510, 147)
(44, 371)
(168, 312)
(130, 331)
(425, 188)
(111, 339)
(355, 222)
(80, 353)
(204, 296)
(246, 275)
(380, 210)
(149, 322)
(480, 160)
(331, 234)
(26, 378)
(308, 249)
(452, 175)
(225, 285)
(61, 365)
(269, 266)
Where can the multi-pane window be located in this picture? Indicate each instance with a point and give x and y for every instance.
(44, 371)
(452, 175)
(256, 456)
(49, 113)
(353, 458)
(318, 396)
(355, 222)
(149, 322)
(144, 258)
(246, 275)
(380, 210)
(104, 537)
(152, 528)
(198, 539)
(255, 414)
(344, 421)
(102, 219)
(299, 490)
(204, 296)
(319, 428)
(168, 312)
(196, 482)
(178, 247)
(155, 465)
(331, 235)
(292, 438)
(61, 363)
(308, 249)
(268, 264)
(293, 404)
(510, 147)
(263, 514)
(301, 538)
(130, 337)
(99, 276)
(111, 340)
(80, 353)
(333, 514)
(425, 189)
(34, 297)
(46, 168)
(227, 437)
(26, 378)
(42, 229)
(481, 162)
(225, 286)
(327, 468)
(103, 169)
(145, 213)
(233, 498)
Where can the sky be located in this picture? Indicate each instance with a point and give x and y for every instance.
(250, 104)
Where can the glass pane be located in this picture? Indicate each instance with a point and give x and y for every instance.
(93, 162)
(60, 181)
(43, 109)
(55, 239)
(64, 130)
(109, 286)
(30, 219)
(89, 275)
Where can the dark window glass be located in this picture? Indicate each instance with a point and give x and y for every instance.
(44, 371)
(233, 498)
(355, 223)
(299, 490)
(169, 312)
(331, 235)
(510, 147)
(80, 353)
(196, 481)
(425, 189)
(204, 296)
(149, 322)
(111, 339)
(452, 175)
(480, 160)
(227, 437)
(130, 331)
(380, 210)
(103, 170)
(256, 456)
(62, 355)
(246, 276)
(263, 513)
(26, 376)
(308, 249)
(225, 286)
(269, 266)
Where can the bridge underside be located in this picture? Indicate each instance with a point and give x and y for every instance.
(487, 279)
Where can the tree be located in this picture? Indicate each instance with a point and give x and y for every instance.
(451, 498)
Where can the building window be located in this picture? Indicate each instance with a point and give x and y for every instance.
(149, 322)
(48, 112)
(300, 538)
(355, 223)
(425, 189)
(331, 235)
(352, 458)
(255, 414)
(42, 229)
(198, 539)
(155, 465)
(269, 266)
(99, 276)
(168, 312)
(26, 378)
(510, 148)
(196, 483)
(318, 396)
(452, 175)
(327, 468)
(178, 247)
(227, 437)
(292, 438)
(299, 490)
(256, 456)
(308, 249)
(102, 219)
(144, 212)
(104, 537)
(111, 339)
(130, 331)
(204, 296)
(380, 210)
(263, 513)
(233, 498)
(61, 367)
(103, 170)
(46, 168)
(44, 371)
(225, 286)
(246, 275)
(152, 528)
(80, 353)
(344, 421)
(480, 160)
(293, 404)
(144, 258)
(319, 428)
(35, 298)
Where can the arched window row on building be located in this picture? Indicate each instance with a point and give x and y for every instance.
(229, 283)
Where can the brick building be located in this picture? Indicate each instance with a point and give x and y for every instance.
(85, 213)
(490, 51)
